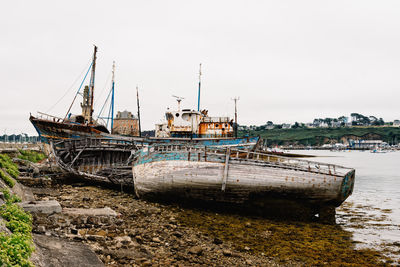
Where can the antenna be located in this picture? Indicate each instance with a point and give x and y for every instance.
(198, 96)
(235, 99)
(179, 99)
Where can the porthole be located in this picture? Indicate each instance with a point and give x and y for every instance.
(177, 115)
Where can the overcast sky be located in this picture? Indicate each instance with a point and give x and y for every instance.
(287, 60)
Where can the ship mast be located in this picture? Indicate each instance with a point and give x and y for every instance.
(91, 85)
(138, 110)
(112, 96)
(235, 129)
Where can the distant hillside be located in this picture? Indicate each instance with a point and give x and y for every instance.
(319, 136)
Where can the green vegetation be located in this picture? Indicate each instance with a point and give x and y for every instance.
(15, 249)
(9, 165)
(10, 198)
(9, 181)
(311, 244)
(32, 156)
(319, 136)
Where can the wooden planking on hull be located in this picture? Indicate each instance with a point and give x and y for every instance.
(209, 174)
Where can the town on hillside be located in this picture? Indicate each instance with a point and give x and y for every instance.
(354, 120)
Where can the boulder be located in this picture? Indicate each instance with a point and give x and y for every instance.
(46, 207)
(51, 251)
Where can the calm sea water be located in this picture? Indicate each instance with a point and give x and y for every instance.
(372, 212)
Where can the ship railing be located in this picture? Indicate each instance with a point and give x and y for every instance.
(44, 116)
(216, 119)
(239, 154)
(99, 143)
(308, 165)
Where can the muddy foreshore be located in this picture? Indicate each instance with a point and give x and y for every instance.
(145, 233)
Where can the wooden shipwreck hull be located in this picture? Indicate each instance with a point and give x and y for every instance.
(96, 159)
(235, 176)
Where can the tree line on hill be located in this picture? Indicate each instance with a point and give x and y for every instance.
(342, 121)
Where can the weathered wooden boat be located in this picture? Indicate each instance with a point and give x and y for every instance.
(96, 159)
(239, 176)
(109, 159)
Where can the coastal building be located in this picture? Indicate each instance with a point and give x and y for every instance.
(396, 123)
(366, 144)
(286, 126)
(125, 123)
(269, 125)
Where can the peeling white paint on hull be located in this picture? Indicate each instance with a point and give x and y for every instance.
(244, 181)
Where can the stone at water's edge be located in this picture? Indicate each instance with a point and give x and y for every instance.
(91, 212)
(56, 252)
(46, 207)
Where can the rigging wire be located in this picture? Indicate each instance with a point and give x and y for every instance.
(109, 114)
(84, 78)
(99, 116)
(69, 89)
(105, 102)
(102, 91)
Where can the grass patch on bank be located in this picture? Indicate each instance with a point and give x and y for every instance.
(312, 244)
(9, 181)
(32, 156)
(15, 249)
(10, 167)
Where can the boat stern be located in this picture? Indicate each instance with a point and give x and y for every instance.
(346, 189)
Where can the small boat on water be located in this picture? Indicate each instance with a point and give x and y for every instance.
(378, 150)
(238, 176)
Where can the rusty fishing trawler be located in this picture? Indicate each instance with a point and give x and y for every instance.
(196, 126)
(83, 125)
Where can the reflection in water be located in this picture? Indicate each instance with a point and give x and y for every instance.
(372, 213)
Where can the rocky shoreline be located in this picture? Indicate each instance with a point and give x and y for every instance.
(95, 225)
(125, 231)
(140, 233)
